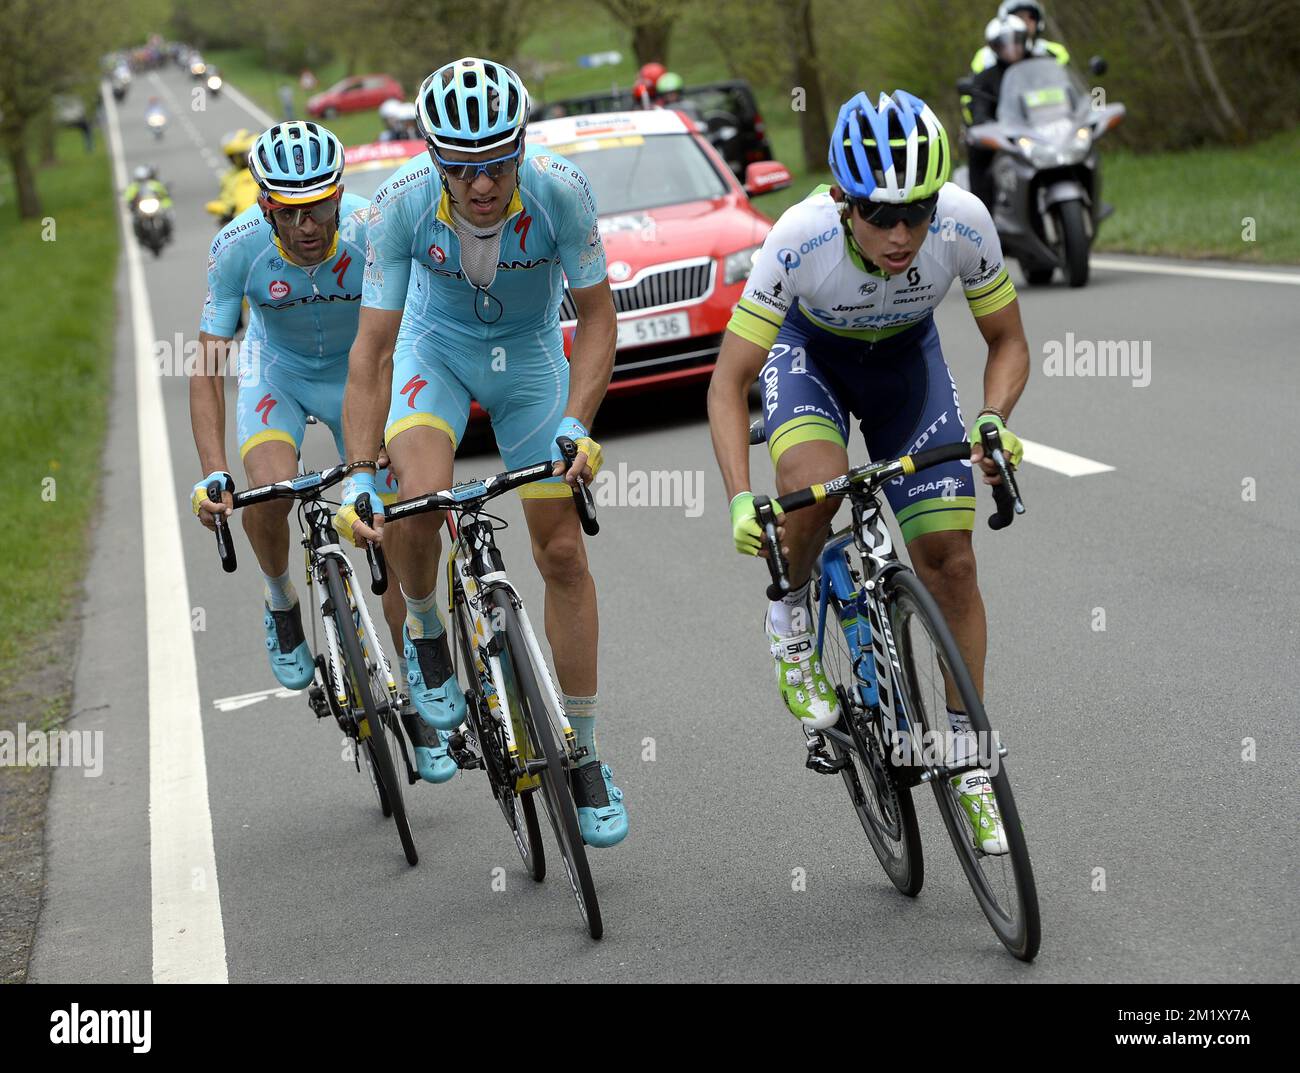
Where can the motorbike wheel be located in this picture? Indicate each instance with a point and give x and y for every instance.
(1074, 237)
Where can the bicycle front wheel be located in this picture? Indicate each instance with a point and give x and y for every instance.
(934, 674)
(544, 743)
(378, 728)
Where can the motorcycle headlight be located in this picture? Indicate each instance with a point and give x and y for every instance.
(149, 205)
(156, 120)
(737, 266)
(214, 83)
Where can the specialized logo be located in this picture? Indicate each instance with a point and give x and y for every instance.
(521, 229)
(264, 406)
(340, 267)
(414, 385)
(438, 253)
(278, 289)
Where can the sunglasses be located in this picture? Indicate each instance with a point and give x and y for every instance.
(887, 217)
(467, 173)
(293, 215)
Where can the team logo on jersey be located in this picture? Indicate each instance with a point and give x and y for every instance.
(341, 267)
(278, 289)
(275, 264)
(438, 253)
(521, 229)
(414, 386)
(619, 271)
(788, 258)
(867, 288)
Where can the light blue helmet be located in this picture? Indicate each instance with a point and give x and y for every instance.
(895, 151)
(295, 162)
(472, 104)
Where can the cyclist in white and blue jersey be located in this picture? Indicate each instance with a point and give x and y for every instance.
(469, 250)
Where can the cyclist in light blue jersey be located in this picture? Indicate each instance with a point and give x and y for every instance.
(297, 257)
(469, 249)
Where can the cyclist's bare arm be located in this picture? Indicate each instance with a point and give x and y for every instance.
(1007, 369)
(370, 382)
(591, 358)
(739, 362)
(208, 412)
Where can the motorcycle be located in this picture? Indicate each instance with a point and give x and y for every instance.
(152, 225)
(157, 123)
(1046, 171)
(214, 83)
(120, 83)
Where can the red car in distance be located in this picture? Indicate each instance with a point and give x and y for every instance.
(357, 93)
(679, 231)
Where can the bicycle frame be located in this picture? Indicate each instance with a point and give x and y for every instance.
(475, 566)
(876, 676)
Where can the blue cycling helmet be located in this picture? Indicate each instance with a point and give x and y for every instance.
(472, 104)
(894, 152)
(296, 162)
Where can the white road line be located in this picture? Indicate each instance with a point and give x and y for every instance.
(1062, 461)
(231, 704)
(248, 106)
(218, 167)
(1242, 275)
(189, 941)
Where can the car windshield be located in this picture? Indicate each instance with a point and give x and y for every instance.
(1037, 92)
(631, 171)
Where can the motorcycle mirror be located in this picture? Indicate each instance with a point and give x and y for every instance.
(1097, 66)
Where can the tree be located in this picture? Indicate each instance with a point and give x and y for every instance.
(651, 23)
(814, 135)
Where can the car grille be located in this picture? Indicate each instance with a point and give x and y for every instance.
(670, 286)
(700, 350)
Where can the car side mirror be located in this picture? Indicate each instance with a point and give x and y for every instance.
(764, 176)
(1098, 66)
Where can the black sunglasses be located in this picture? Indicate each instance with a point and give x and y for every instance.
(887, 216)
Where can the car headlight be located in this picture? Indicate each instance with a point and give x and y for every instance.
(737, 266)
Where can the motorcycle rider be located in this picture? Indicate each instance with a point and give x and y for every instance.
(643, 91)
(155, 116)
(1036, 45)
(145, 183)
(399, 121)
(238, 188)
(1008, 39)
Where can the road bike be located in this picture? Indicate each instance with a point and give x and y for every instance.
(353, 681)
(515, 729)
(896, 669)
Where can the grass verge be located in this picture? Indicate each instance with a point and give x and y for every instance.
(58, 278)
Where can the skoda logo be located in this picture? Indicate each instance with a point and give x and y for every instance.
(619, 271)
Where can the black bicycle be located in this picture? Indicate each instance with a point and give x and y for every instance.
(896, 670)
(515, 729)
(354, 682)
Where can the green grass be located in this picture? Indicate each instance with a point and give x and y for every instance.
(1192, 204)
(57, 361)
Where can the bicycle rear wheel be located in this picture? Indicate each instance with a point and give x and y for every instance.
(519, 811)
(544, 743)
(932, 667)
(379, 723)
(881, 800)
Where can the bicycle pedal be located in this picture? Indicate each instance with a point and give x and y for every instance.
(317, 702)
(817, 759)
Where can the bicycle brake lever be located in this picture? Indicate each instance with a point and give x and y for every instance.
(776, 566)
(581, 493)
(374, 555)
(225, 547)
(1006, 495)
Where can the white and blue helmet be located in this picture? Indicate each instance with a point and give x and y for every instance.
(472, 104)
(296, 162)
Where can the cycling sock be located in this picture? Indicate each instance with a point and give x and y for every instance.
(402, 671)
(422, 620)
(783, 613)
(581, 714)
(963, 745)
(279, 592)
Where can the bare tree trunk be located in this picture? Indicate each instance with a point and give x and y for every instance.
(650, 42)
(813, 132)
(1211, 75)
(29, 198)
(48, 131)
(1169, 32)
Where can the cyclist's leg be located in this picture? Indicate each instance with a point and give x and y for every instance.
(270, 423)
(527, 403)
(807, 430)
(426, 418)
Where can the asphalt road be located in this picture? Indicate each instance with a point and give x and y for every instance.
(1160, 854)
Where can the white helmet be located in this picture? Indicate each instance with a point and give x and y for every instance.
(1009, 7)
(388, 111)
(1005, 30)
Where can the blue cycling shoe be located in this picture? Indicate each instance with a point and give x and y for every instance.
(436, 694)
(431, 757)
(287, 648)
(602, 818)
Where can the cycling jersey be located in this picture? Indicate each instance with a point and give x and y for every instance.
(809, 259)
(550, 232)
(303, 316)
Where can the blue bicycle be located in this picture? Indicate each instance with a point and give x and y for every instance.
(885, 646)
